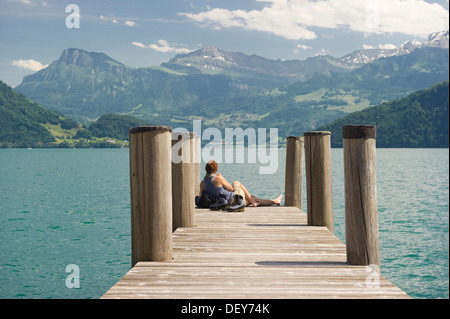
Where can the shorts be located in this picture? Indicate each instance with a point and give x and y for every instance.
(239, 191)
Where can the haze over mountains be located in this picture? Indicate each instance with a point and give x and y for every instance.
(228, 89)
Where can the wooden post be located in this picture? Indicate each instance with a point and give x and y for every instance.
(151, 193)
(318, 179)
(294, 171)
(197, 161)
(361, 220)
(183, 180)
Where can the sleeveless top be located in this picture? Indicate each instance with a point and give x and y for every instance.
(214, 191)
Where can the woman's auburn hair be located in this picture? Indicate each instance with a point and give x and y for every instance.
(211, 167)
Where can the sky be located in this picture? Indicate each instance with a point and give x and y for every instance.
(144, 33)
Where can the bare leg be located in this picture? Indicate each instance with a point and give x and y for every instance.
(248, 197)
(268, 202)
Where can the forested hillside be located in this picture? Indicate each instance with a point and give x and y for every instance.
(21, 120)
(25, 124)
(418, 120)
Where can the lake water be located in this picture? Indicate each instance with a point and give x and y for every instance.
(72, 207)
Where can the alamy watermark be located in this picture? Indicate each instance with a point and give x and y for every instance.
(73, 19)
(373, 279)
(262, 146)
(73, 279)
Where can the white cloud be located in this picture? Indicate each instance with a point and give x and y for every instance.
(387, 46)
(321, 52)
(31, 64)
(163, 46)
(368, 47)
(43, 3)
(138, 44)
(21, 1)
(294, 19)
(302, 47)
(128, 23)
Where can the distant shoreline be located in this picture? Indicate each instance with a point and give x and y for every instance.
(126, 147)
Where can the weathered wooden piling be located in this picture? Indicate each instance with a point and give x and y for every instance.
(361, 220)
(183, 179)
(294, 171)
(318, 179)
(197, 161)
(151, 193)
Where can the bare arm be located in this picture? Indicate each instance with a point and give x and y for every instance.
(221, 181)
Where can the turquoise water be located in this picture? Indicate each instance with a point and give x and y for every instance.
(72, 206)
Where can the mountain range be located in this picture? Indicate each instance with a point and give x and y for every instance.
(226, 89)
(419, 120)
(211, 60)
(434, 40)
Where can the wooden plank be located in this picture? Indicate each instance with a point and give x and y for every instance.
(265, 252)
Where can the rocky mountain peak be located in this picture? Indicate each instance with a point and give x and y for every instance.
(83, 58)
(438, 40)
(361, 57)
(212, 52)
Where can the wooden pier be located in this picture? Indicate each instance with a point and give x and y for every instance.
(262, 253)
(265, 252)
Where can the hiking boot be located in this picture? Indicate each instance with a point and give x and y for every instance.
(238, 204)
(221, 203)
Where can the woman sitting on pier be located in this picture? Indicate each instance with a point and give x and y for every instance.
(233, 197)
